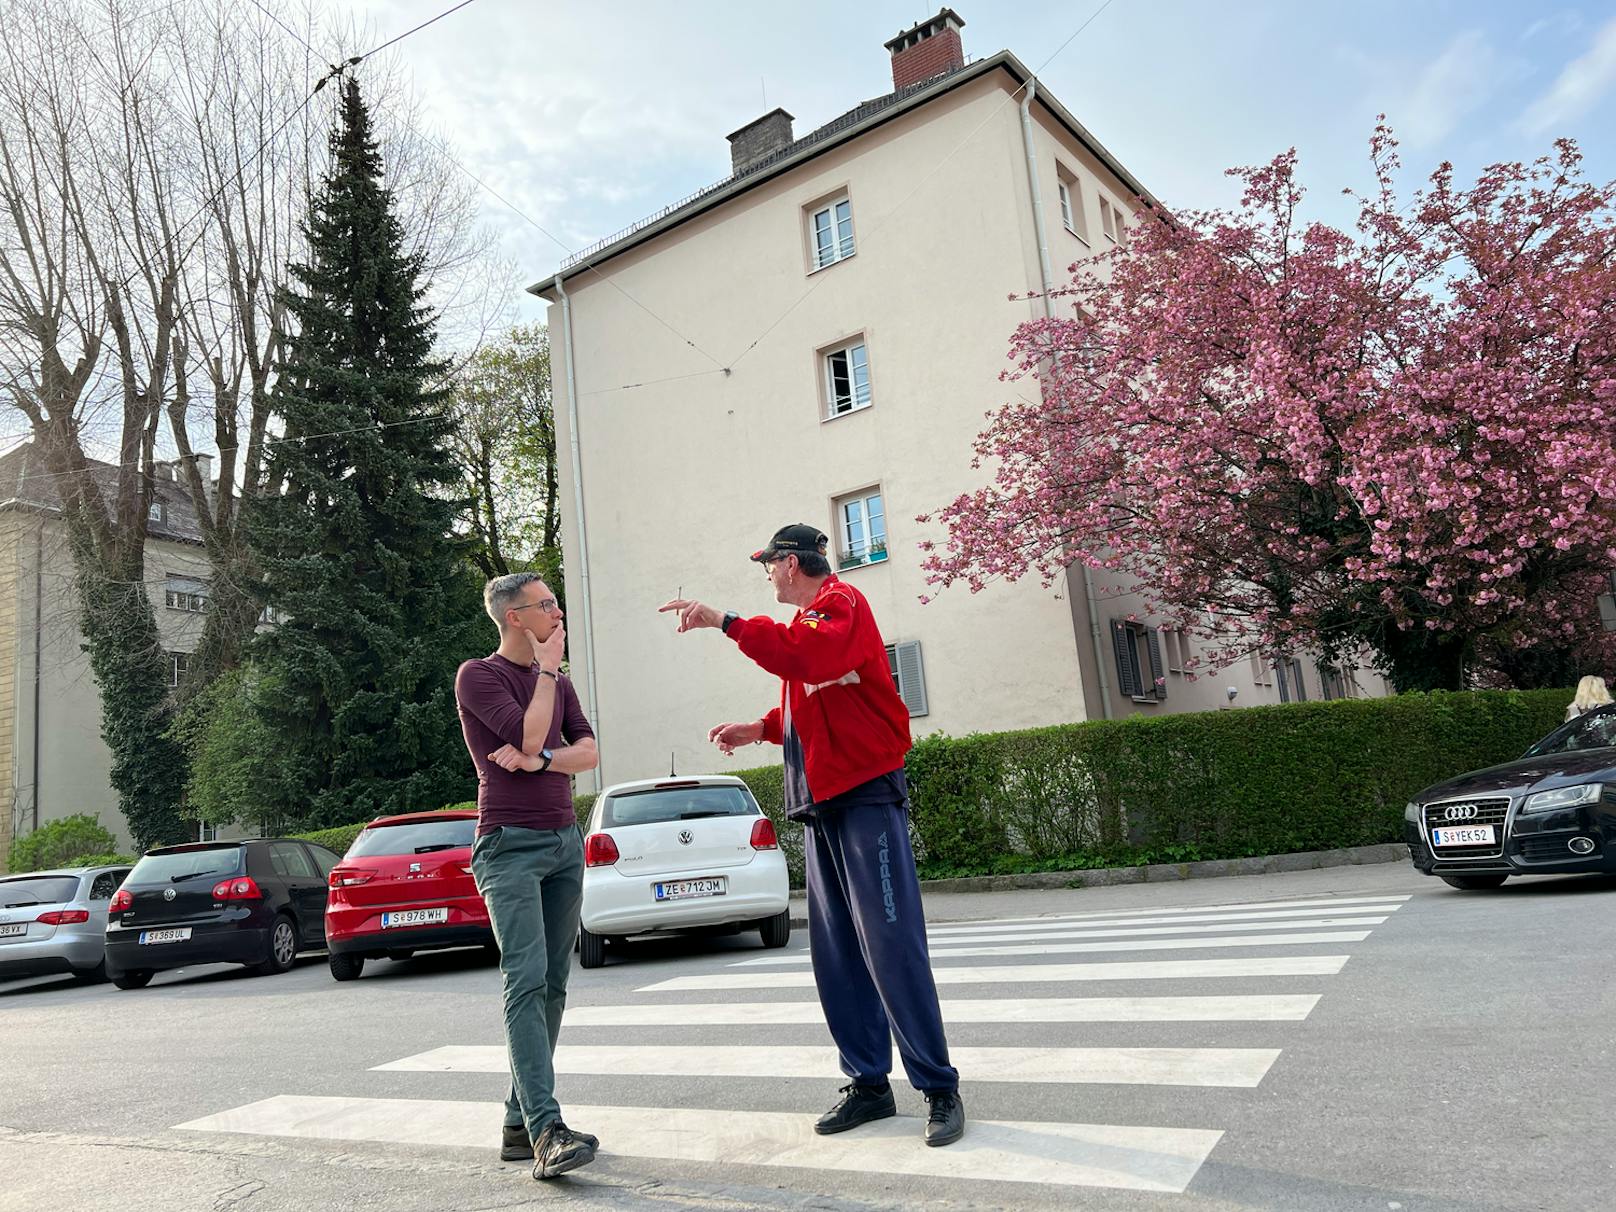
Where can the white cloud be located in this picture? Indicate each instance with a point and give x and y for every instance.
(1453, 84)
(1581, 83)
(1560, 24)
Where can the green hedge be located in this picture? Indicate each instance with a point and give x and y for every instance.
(1176, 788)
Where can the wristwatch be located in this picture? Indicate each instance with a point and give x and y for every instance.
(729, 617)
(548, 757)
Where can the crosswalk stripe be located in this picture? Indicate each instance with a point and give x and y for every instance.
(1182, 909)
(1127, 970)
(1236, 1067)
(1278, 1007)
(999, 944)
(1075, 1155)
(1083, 948)
(1029, 928)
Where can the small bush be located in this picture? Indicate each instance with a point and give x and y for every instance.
(60, 843)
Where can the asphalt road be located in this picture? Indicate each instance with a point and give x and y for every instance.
(1364, 1039)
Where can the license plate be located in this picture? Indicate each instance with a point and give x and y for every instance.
(148, 937)
(1464, 835)
(680, 890)
(414, 917)
(12, 931)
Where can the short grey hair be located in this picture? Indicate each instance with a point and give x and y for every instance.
(500, 594)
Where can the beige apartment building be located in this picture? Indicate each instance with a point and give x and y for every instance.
(817, 338)
(53, 762)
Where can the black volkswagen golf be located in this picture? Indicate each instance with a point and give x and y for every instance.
(1552, 812)
(256, 902)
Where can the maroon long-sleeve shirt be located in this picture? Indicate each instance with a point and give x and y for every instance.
(493, 695)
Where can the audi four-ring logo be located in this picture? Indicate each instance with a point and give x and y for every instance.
(1459, 812)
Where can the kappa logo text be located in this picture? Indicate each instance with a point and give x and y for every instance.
(887, 897)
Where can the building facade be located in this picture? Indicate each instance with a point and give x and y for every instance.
(53, 761)
(818, 339)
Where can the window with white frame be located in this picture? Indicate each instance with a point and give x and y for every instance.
(1261, 673)
(861, 529)
(847, 379)
(1139, 661)
(909, 675)
(830, 232)
(186, 593)
(1108, 220)
(1332, 681)
(1071, 202)
(154, 511)
(179, 664)
(1292, 687)
(1179, 653)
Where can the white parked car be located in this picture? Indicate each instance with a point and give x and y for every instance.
(680, 854)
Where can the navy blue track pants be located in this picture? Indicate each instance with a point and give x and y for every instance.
(868, 940)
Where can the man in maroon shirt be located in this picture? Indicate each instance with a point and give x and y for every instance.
(527, 734)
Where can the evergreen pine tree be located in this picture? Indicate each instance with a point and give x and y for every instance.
(373, 602)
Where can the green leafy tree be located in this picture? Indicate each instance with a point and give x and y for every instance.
(362, 567)
(504, 438)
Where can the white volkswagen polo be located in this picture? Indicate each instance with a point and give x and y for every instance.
(680, 854)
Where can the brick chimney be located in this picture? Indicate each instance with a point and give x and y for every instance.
(929, 49)
(759, 140)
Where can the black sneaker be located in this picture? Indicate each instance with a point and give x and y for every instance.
(946, 1122)
(514, 1144)
(560, 1149)
(859, 1105)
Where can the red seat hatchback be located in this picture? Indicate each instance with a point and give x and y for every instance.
(405, 886)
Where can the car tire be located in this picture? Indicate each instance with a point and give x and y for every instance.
(91, 976)
(1475, 883)
(282, 948)
(591, 949)
(346, 967)
(133, 980)
(776, 930)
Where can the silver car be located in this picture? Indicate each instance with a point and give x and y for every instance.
(56, 922)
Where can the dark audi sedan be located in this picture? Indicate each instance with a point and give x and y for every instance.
(256, 902)
(1552, 812)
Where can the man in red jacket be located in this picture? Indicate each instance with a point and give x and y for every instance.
(844, 732)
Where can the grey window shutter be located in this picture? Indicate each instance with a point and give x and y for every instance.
(1282, 675)
(1158, 685)
(1127, 665)
(1300, 683)
(911, 677)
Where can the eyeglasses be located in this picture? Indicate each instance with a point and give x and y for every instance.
(548, 605)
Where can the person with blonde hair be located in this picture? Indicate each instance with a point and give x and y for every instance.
(1591, 692)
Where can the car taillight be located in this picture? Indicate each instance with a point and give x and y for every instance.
(763, 835)
(600, 850)
(64, 917)
(121, 900)
(242, 889)
(341, 878)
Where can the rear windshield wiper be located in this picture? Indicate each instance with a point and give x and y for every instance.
(20, 904)
(191, 875)
(696, 816)
(434, 846)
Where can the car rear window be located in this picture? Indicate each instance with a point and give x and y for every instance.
(417, 837)
(178, 866)
(38, 890)
(657, 804)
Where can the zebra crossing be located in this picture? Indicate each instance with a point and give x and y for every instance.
(1027, 1032)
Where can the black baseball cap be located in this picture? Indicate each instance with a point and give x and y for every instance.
(797, 539)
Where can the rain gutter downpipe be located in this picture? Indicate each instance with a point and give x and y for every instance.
(1047, 273)
(578, 510)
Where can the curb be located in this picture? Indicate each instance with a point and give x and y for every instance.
(1101, 877)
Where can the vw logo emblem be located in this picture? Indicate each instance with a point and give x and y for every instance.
(168, 894)
(686, 837)
(1460, 812)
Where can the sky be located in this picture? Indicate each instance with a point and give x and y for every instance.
(589, 117)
